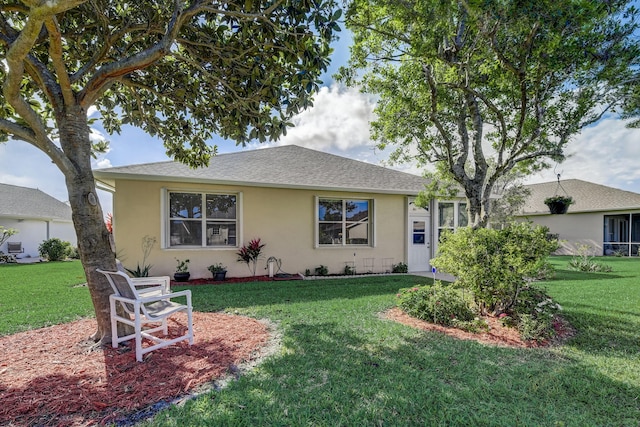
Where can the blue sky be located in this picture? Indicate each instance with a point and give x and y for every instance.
(605, 153)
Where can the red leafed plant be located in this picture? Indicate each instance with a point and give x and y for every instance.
(108, 221)
(250, 254)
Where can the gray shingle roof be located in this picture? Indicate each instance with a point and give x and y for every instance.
(587, 197)
(31, 203)
(286, 166)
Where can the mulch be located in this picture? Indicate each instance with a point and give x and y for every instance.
(497, 335)
(230, 280)
(49, 377)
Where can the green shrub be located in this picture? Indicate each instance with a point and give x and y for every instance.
(400, 267)
(435, 303)
(55, 249)
(534, 314)
(322, 270)
(495, 264)
(73, 253)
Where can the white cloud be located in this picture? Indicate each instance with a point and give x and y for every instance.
(605, 153)
(103, 163)
(339, 119)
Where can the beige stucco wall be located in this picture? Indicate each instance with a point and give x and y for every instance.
(577, 229)
(284, 219)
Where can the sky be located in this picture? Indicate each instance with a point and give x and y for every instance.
(606, 153)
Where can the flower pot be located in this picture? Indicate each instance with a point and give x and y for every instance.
(558, 208)
(219, 276)
(181, 276)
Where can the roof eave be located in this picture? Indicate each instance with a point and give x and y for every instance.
(108, 179)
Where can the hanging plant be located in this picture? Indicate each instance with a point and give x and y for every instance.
(558, 205)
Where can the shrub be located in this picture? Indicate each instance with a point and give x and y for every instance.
(534, 313)
(435, 303)
(73, 253)
(349, 270)
(400, 267)
(54, 249)
(495, 264)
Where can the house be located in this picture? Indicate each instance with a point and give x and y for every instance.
(310, 209)
(605, 219)
(36, 215)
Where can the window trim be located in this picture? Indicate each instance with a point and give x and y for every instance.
(165, 219)
(371, 242)
(456, 216)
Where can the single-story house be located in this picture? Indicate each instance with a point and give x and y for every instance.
(310, 209)
(603, 219)
(36, 215)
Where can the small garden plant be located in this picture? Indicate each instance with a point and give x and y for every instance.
(217, 268)
(321, 270)
(147, 244)
(400, 267)
(585, 262)
(250, 254)
(182, 266)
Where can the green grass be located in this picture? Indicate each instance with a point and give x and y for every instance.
(42, 294)
(340, 364)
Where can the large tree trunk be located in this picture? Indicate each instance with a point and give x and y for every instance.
(88, 219)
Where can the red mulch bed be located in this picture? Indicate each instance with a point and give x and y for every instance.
(48, 377)
(228, 280)
(498, 334)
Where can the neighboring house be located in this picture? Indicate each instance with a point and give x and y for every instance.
(37, 217)
(310, 208)
(605, 219)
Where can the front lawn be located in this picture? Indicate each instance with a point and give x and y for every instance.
(42, 294)
(340, 364)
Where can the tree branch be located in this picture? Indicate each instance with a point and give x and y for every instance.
(18, 132)
(55, 51)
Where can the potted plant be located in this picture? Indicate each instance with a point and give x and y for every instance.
(558, 204)
(182, 271)
(218, 270)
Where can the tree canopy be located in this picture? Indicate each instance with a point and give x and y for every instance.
(480, 87)
(180, 70)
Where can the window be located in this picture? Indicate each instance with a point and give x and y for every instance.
(344, 222)
(622, 234)
(452, 215)
(197, 219)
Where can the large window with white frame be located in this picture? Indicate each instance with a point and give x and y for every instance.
(343, 222)
(622, 234)
(202, 219)
(451, 215)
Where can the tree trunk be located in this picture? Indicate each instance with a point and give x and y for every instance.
(88, 219)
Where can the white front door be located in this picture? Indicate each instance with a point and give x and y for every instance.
(419, 239)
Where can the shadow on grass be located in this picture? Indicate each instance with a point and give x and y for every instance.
(329, 375)
(602, 331)
(564, 274)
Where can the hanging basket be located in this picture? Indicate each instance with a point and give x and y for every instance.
(558, 205)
